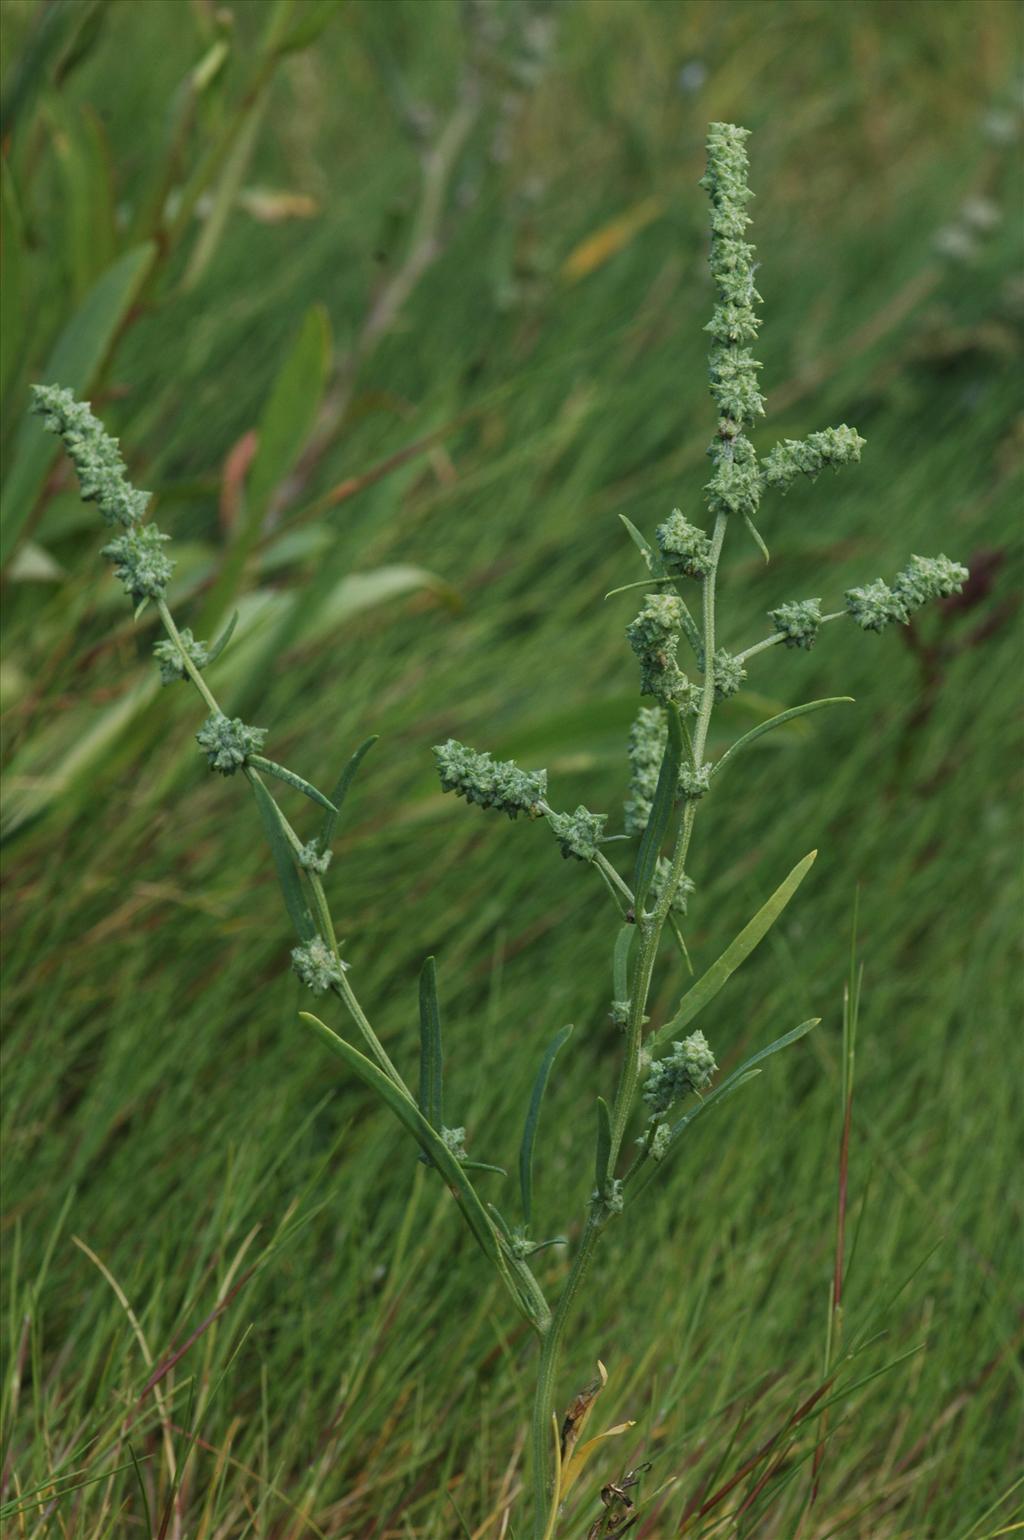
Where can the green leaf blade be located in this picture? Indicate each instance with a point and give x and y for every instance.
(431, 1098)
(340, 789)
(529, 1139)
(284, 860)
(773, 722)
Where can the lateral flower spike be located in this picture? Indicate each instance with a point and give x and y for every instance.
(876, 605)
(647, 738)
(317, 966)
(685, 549)
(227, 742)
(172, 664)
(810, 456)
(579, 833)
(729, 674)
(490, 782)
(139, 562)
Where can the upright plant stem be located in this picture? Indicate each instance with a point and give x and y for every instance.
(651, 927)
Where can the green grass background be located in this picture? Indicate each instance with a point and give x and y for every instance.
(163, 1104)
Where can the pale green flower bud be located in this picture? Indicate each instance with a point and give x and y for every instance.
(810, 456)
(685, 549)
(489, 782)
(227, 742)
(312, 859)
(875, 606)
(799, 621)
(693, 783)
(455, 1139)
(654, 637)
(579, 833)
(172, 665)
(729, 674)
(689, 1067)
(317, 966)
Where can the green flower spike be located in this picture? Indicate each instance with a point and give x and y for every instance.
(689, 1067)
(490, 782)
(139, 562)
(729, 674)
(227, 742)
(101, 471)
(685, 549)
(810, 456)
(654, 637)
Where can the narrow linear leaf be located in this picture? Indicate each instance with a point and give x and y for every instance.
(651, 582)
(290, 412)
(482, 1165)
(291, 779)
(738, 950)
(532, 1119)
(602, 1154)
(431, 1097)
(756, 536)
(661, 811)
(284, 860)
(651, 557)
(341, 788)
(777, 721)
(222, 640)
(620, 962)
(432, 1145)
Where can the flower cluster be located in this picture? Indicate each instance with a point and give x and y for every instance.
(684, 888)
(489, 782)
(138, 560)
(798, 622)
(654, 637)
(172, 664)
(647, 738)
(579, 833)
(685, 549)
(455, 1141)
(312, 859)
(810, 456)
(694, 781)
(611, 1201)
(317, 966)
(729, 674)
(689, 1067)
(227, 742)
(876, 605)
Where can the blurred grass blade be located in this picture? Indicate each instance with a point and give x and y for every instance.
(776, 721)
(603, 1150)
(271, 767)
(290, 412)
(532, 1119)
(661, 811)
(341, 788)
(16, 317)
(738, 950)
(318, 15)
(284, 860)
(87, 183)
(74, 362)
(232, 172)
(431, 1053)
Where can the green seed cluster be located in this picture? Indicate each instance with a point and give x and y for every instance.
(227, 742)
(798, 621)
(647, 738)
(139, 562)
(689, 1067)
(489, 782)
(654, 637)
(317, 966)
(684, 888)
(579, 833)
(455, 1141)
(729, 674)
(685, 549)
(694, 781)
(876, 605)
(810, 456)
(172, 664)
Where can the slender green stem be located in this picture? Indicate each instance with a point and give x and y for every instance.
(780, 636)
(651, 927)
